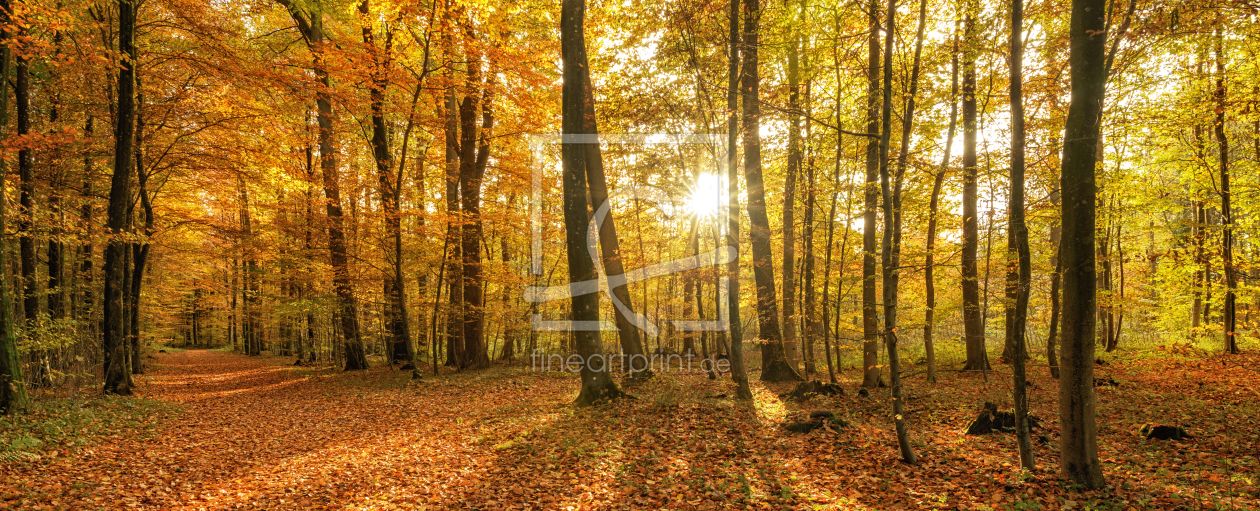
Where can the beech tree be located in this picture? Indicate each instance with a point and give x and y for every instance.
(1078, 450)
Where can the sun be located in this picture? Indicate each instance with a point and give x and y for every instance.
(706, 197)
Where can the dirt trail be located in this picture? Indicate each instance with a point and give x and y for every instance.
(256, 434)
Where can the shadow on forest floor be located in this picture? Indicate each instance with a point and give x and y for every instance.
(257, 433)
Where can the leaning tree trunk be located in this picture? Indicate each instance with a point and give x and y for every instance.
(632, 342)
(597, 385)
(1078, 449)
(870, 314)
(973, 324)
(775, 366)
(739, 372)
(117, 373)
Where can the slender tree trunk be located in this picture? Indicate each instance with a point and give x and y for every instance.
(973, 323)
(26, 204)
(1229, 319)
(870, 314)
(934, 208)
(739, 372)
(57, 283)
(597, 385)
(413, 356)
(1078, 449)
(13, 397)
(789, 198)
(831, 231)
(395, 316)
(115, 350)
(892, 203)
(813, 325)
(140, 250)
(87, 214)
(1196, 310)
(1019, 235)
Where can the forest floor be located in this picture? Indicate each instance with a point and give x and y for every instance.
(213, 430)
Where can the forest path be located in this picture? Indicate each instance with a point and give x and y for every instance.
(253, 433)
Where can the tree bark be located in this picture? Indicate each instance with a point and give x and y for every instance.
(311, 25)
(774, 364)
(117, 373)
(892, 205)
(1078, 449)
(1229, 319)
(381, 62)
(597, 385)
(870, 315)
(739, 372)
(471, 172)
(973, 324)
(140, 249)
(632, 342)
(85, 294)
(26, 204)
(790, 348)
(13, 398)
(934, 208)
(1018, 230)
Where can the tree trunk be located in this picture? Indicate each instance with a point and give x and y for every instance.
(140, 250)
(395, 316)
(739, 372)
(454, 240)
(892, 215)
(85, 301)
(1229, 320)
(813, 325)
(13, 397)
(1018, 230)
(934, 207)
(632, 342)
(973, 323)
(831, 231)
(1078, 449)
(774, 364)
(790, 348)
(870, 315)
(26, 205)
(57, 284)
(115, 350)
(470, 175)
(597, 385)
(311, 24)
